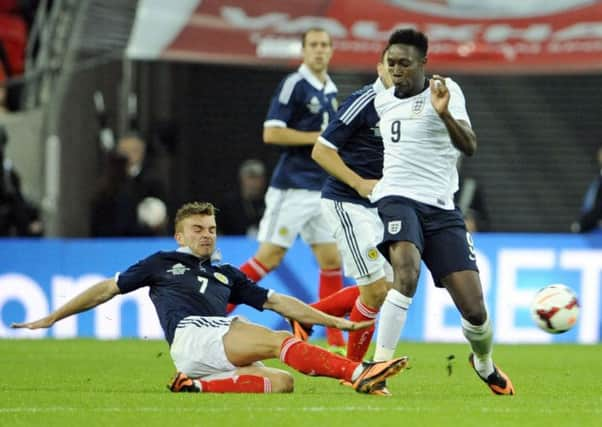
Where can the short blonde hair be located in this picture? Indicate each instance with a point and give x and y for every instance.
(193, 208)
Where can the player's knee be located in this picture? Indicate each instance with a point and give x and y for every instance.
(270, 255)
(329, 261)
(278, 337)
(406, 274)
(374, 295)
(475, 315)
(282, 382)
(327, 255)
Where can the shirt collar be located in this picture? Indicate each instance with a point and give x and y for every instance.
(216, 256)
(378, 85)
(306, 73)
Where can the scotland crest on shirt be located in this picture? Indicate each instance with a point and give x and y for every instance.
(314, 105)
(221, 278)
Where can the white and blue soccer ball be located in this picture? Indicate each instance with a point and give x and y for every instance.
(555, 308)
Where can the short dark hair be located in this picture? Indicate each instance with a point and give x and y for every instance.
(411, 37)
(314, 30)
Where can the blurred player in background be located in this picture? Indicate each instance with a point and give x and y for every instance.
(213, 353)
(302, 106)
(425, 128)
(351, 150)
(242, 208)
(590, 217)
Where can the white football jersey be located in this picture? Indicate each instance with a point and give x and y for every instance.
(419, 157)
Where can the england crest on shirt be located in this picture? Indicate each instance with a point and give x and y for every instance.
(418, 105)
(394, 227)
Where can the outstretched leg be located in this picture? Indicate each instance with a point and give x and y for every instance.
(246, 343)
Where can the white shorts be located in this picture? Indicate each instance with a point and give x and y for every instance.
(198, 348)
(291, 212)
(357, 230)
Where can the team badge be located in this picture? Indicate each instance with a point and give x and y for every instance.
(314, 105)
(418, 105)
(178, 269)
(221, 278)
(335, 104)
(394, 227)
(372, 254)
(283, 231)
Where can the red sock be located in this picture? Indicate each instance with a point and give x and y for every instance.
(238, 384)
(315, 361)
(255, 271)
(340, 303)
(359, 341)
(331, 281)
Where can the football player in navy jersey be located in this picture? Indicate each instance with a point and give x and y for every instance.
(425, 129)
(302, 106)
(213, 353)
(351, 150)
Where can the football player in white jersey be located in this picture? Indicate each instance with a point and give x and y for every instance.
(425, 128)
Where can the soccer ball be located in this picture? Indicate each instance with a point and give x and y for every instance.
(555, 308)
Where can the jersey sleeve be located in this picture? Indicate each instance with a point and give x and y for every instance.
(348, 119)
(283, 103)
(135, 277)
(245, 291)
(457, 102)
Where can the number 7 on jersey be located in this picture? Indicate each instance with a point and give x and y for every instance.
(204, 282)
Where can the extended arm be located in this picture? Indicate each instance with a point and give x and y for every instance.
(460, 132)
(90, 298)
(288, 136)
(295, 309)
(331, 162)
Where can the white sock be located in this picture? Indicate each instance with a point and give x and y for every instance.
(392, 319)
(481, 341)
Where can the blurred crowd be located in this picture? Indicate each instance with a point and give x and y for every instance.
(16, 19)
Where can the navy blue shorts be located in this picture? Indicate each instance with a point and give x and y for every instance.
(440, 235)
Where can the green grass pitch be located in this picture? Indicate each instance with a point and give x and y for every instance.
(112, 383)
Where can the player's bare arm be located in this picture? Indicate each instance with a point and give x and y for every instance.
(460, 132)
(288, 136)
(332, 163)
(293, 308)
(90, 298)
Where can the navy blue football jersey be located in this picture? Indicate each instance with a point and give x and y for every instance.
(303, 103)
(354, 133)
(182, 285)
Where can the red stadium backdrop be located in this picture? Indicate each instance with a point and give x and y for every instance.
(266, 32)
